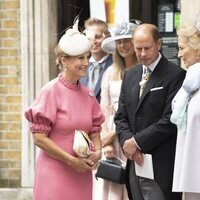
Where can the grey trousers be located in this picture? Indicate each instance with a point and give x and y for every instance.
(143, 188)
(191, 196)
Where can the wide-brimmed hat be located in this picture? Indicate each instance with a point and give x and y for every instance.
(73, 42)
(120, 31)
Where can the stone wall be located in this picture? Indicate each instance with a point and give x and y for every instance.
(10, 94)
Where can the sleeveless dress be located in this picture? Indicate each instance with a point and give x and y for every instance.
(59, 110)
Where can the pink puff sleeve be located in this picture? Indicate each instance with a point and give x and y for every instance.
(42, 113)
(97, 118)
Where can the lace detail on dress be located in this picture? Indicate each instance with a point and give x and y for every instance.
(68, 84)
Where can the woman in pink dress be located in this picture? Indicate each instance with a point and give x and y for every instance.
(124, 58)
(63, 106)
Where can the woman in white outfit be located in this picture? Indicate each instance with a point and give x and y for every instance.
(186, 115)
(124, 58)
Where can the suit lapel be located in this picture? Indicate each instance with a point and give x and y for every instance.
(98, 85)
(108, 62)
(134, 86)
(156, 76)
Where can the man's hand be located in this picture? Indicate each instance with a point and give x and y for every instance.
(109, 152)
(138, 157)
(129, 148)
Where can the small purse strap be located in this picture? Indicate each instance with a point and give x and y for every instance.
(114, 161)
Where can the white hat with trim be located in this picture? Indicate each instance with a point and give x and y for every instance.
(120, 31)
(73, 42)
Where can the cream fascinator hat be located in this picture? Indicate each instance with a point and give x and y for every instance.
(120, 31)
(73, 42)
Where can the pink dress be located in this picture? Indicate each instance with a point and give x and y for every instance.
(110, 91)
(58, 111)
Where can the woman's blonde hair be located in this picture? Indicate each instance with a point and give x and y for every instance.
(191, 35)
(59, 54)
(119, 65)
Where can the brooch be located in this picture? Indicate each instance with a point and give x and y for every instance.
(91, 94)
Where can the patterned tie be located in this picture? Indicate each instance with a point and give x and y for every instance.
(145, 78)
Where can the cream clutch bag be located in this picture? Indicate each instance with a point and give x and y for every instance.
(82, 144)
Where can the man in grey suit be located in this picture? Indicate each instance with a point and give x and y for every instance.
(143, 117)
(96, 31)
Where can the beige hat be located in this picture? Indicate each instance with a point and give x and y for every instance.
(120, 31)
(73, 42)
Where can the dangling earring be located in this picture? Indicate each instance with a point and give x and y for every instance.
(65, 68)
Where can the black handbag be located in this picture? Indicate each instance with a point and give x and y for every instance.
(111, 170)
